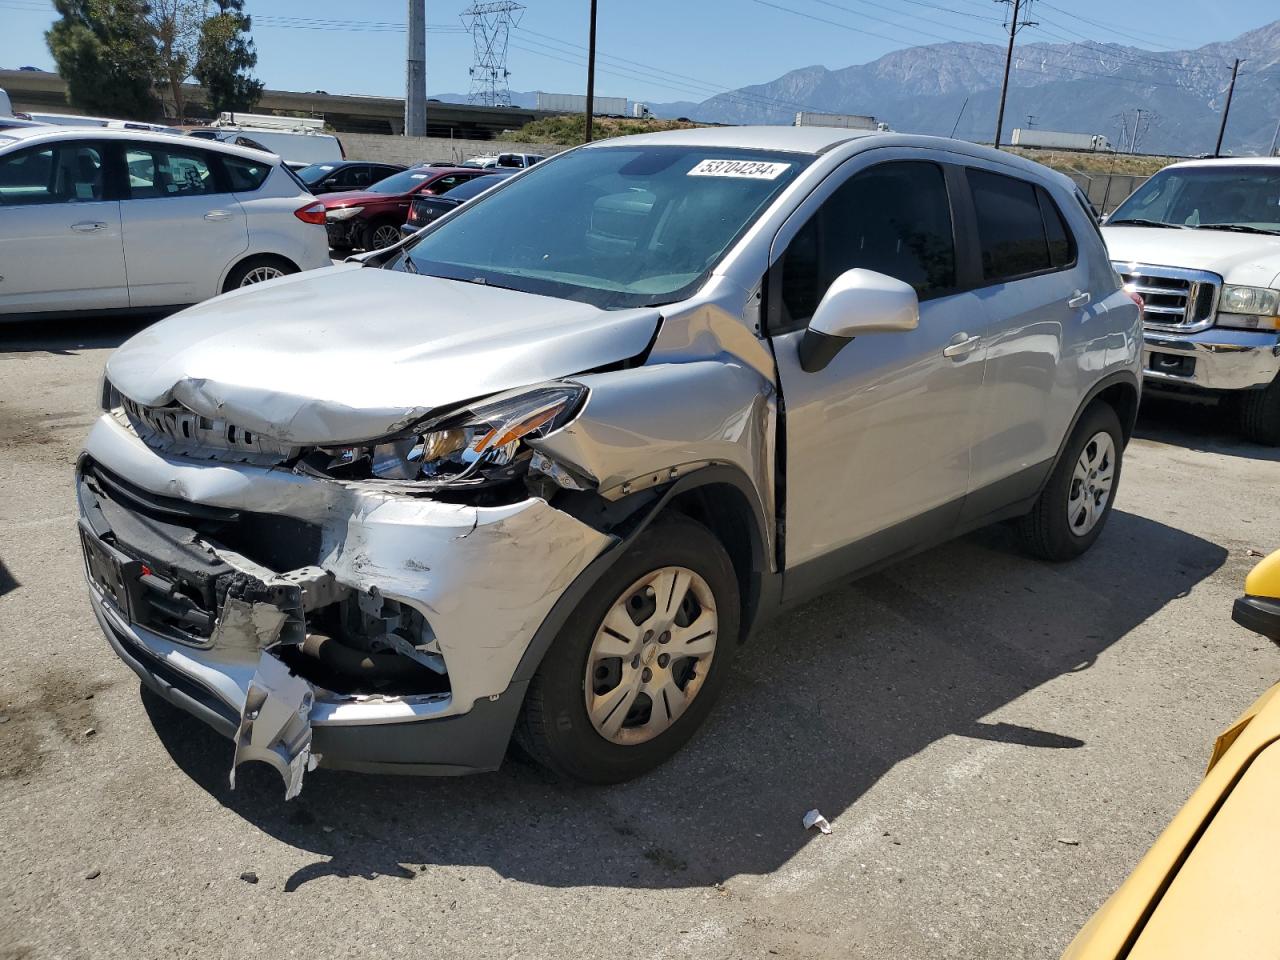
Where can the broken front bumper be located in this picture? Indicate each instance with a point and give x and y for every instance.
(483, 579)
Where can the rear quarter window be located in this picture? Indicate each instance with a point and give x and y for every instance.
(1011, 230)
(245, 175)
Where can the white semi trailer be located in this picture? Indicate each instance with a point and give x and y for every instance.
(1058, 140)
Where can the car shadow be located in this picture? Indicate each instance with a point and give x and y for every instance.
(824, 702)
(1209, 426)
(69, 336)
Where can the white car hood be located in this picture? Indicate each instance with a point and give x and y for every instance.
(1244, 258)
(351, 353)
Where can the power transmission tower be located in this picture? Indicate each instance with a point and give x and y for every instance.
(1226, 109)
(1137, 125)
(415, 71)
(1020, 9)
(1031, 120)
(491, 25)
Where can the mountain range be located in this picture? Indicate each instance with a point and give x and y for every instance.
(1085, 87)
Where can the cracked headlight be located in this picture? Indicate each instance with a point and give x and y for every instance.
(481, 444)
(342, 213)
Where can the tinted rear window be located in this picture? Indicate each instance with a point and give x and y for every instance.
(245, 175)
(1010, 229)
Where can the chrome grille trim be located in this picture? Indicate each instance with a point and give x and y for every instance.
(1178, 300)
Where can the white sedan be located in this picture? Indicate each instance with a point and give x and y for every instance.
(97, 220)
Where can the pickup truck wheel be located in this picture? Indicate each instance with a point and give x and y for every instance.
(638, 666)
(1075, 503)
(1260, 414)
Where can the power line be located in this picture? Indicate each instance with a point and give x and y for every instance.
(1118, 30)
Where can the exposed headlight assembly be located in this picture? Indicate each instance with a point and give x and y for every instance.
(480, 445)
(342, 213)
(1249, 308)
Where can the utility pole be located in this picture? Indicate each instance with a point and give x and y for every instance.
(1274, 137)
(1137, 122)
(591, 70)
(415, 71)
(1226, 109)
(1014, 27)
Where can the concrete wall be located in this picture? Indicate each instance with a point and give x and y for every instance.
(389, 149)
(1107, 191)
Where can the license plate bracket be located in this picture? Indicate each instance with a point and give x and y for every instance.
(111, 571)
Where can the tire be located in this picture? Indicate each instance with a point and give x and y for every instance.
(1055, 529)
(381, 234)
(1260, 414)
(256, 270)
(555, 726)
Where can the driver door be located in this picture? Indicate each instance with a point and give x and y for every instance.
(877, 444)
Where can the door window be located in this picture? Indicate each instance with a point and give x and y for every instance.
(58, 173)
(894, 218)
(156, 171)
(1011, 228)
(445, 184)
(1062, 245)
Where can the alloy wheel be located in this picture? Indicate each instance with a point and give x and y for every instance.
(260, 274)
(1091, 483)
(651, 655)
(384, 236)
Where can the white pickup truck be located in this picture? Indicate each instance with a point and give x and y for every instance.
(1200, 241)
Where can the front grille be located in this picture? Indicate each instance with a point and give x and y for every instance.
(175, 429)
(1174, 299)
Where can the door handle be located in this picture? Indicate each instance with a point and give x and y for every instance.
(958, 347)
(88, 226)
(1080, 299)
(214, 216)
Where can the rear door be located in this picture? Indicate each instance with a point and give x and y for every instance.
(183, 228)
(60, 237)
(877, 443)
(1037, 297)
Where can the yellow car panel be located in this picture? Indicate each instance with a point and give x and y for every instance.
(1264, 579)
(1223, 902)
(1117, 925)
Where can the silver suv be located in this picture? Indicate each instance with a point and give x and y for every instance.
(545, 465)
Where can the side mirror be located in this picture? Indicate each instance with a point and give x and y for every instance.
(858, 302)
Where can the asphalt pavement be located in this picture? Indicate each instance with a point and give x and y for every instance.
(995, 741)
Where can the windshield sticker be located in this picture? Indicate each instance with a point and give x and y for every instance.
(418, 176)
(750, 169)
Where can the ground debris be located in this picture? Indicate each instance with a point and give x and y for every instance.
(1069, 841)
(249, 877)
(93, 874)
(815, 819)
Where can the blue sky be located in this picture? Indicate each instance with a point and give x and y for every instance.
(657, 50)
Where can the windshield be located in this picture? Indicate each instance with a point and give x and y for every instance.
(401, 182)
(610, 226)
(1245, 197)
(474, 187)
(315, 173)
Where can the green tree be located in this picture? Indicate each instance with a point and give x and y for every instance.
(176, 26)
(105, 52)
(224, 58)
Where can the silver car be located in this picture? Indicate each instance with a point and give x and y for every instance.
(542, 468)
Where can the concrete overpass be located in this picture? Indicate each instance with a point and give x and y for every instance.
(47, 93)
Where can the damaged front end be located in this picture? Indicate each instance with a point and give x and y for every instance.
(315, 616)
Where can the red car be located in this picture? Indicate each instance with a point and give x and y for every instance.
(371, 218)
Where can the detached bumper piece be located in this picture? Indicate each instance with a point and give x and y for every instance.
(1259, 614)
(276, 726)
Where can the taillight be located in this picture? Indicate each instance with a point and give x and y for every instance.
(1137, 298)
(311, 213)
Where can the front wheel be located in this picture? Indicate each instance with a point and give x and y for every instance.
(638, 666)
(1260, 414)
(381, 235)
(1076, 502)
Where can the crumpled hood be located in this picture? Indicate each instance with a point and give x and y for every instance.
(352, 353)
(1244, 258)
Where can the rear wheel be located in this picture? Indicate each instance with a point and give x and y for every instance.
(638, 666)
(1076, 502)
(1260, 414)
(381, 234)
(257, 270)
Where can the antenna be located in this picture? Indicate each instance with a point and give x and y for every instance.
(491, 25)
